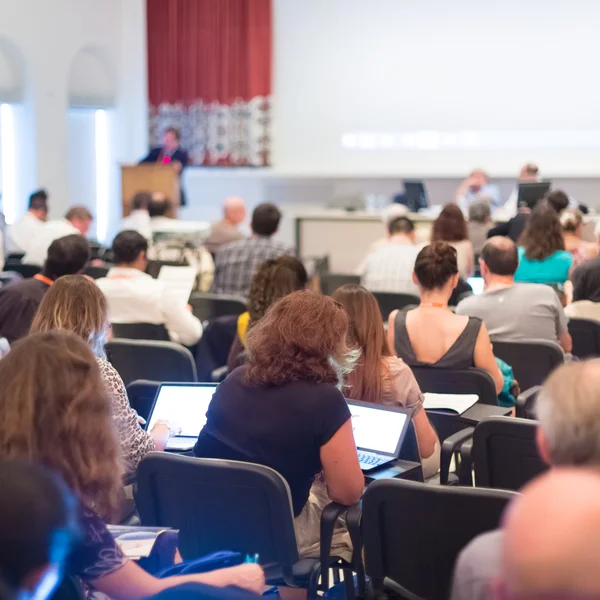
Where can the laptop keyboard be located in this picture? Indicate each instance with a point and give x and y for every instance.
(369, 460)
(180, 443)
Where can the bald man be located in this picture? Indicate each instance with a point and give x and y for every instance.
(568, 434)
(514, 311)
(226, 230)
(551, 546)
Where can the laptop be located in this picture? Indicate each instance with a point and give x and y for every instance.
(183, 406)
(378, 432)
(531, 193)
(477, 284)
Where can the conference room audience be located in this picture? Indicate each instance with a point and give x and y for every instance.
(135, 297)
(76, 305)
(431, 334)
(571, 222)
(514, 311)
(542, 254)
(52, 391)
(273, 280)
(227, 229)
(237, 262)
(21, 235)
(381, 377)
(38, 528)
(567, 409)
(77, 221)
(19, 302)
(480, 222)
(389, 268)
(451, 227)
(284, 409)
(139, 217)
(477, 187)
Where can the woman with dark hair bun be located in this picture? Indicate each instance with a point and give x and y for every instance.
(432, 335)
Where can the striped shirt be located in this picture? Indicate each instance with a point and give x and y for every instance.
(390, 269)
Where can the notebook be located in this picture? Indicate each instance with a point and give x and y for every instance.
(458, 403)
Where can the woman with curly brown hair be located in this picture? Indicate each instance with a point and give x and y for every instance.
(451, 227)
(284, 409)
(54, 410)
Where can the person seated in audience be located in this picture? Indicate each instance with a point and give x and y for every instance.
(476, 187)
(19, 302)
(56, 411)
(284, 409)
(514, 311)
(23, 234)
(139, 217)
(134, 297)
(273, 280)
(567, 409)
(227, 230)
(381, 377)
(432, 335)
(480, 222)
(38, 528)
(586, 289)
(451, 227)
(75, 304)
(542, 254)
(571, 222)
(77, 221)
(237, 262)
(389, 268)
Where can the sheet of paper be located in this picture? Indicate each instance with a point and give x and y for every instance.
(459, 403)
(137, 544)
(179, 282)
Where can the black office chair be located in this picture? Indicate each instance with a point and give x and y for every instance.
(505, 453)
(214, 345)
(389, 302)
(531, 361)
(332, 281)
(141, 394)
(220, 504)
(26, 271)
(12, 259)
(156, 361)
(96, 272)
(586, 337)
(154, 266)
(211, 306)
(140, 331)
(413, 532)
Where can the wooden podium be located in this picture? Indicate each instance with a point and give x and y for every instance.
(149, 177)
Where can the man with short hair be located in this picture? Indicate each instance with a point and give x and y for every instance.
(480, 222)
(568, 434)
(477, 186)
(226, 231)
(514, 311)
(139, 217)
(236, 262)
(135, 297)
(19, 302)
(77, 221)
(390, 267)
(21, 235)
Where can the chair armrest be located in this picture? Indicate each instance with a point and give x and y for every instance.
(465, 476)
(525, 399)
(449, 447)
(354, 522)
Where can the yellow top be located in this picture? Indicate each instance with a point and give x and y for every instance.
(242, 327)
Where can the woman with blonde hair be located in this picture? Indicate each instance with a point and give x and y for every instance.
(54, 410)
(75, 304)
(571, 222)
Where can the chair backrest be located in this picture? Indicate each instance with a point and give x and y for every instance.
(26, 271)
(219, 505)
(413, 532)
(140, 331)
(505, 453)
(586, 337)
(531, 361)
(141, 394)
(158, 361)
(214, 345)
(389, 302)
(332, 281)
(96, 272)
(211, 306)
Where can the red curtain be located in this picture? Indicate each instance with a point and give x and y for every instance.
(209, 66)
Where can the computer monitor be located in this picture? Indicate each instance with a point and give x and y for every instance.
(531, 193)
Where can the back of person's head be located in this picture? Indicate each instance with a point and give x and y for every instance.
(450, 226)
(500, 256)
(571, 221)
(302, 337)
(542, 235)
(274, 280)
(366, 333)
(265, 219)
(76, 305)
(435, 265)
(66, 256)
(558, 200)
(480, 211)
(158, 207)
(127, 247)
(56, 411)
(402, 225)
(141, 201)
(38, 202)
(78, 213)
(38, 524)
(234, 209)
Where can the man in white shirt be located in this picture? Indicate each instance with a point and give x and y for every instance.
(77, 221)
(139, 217)
(21, 235)
(134, 297)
